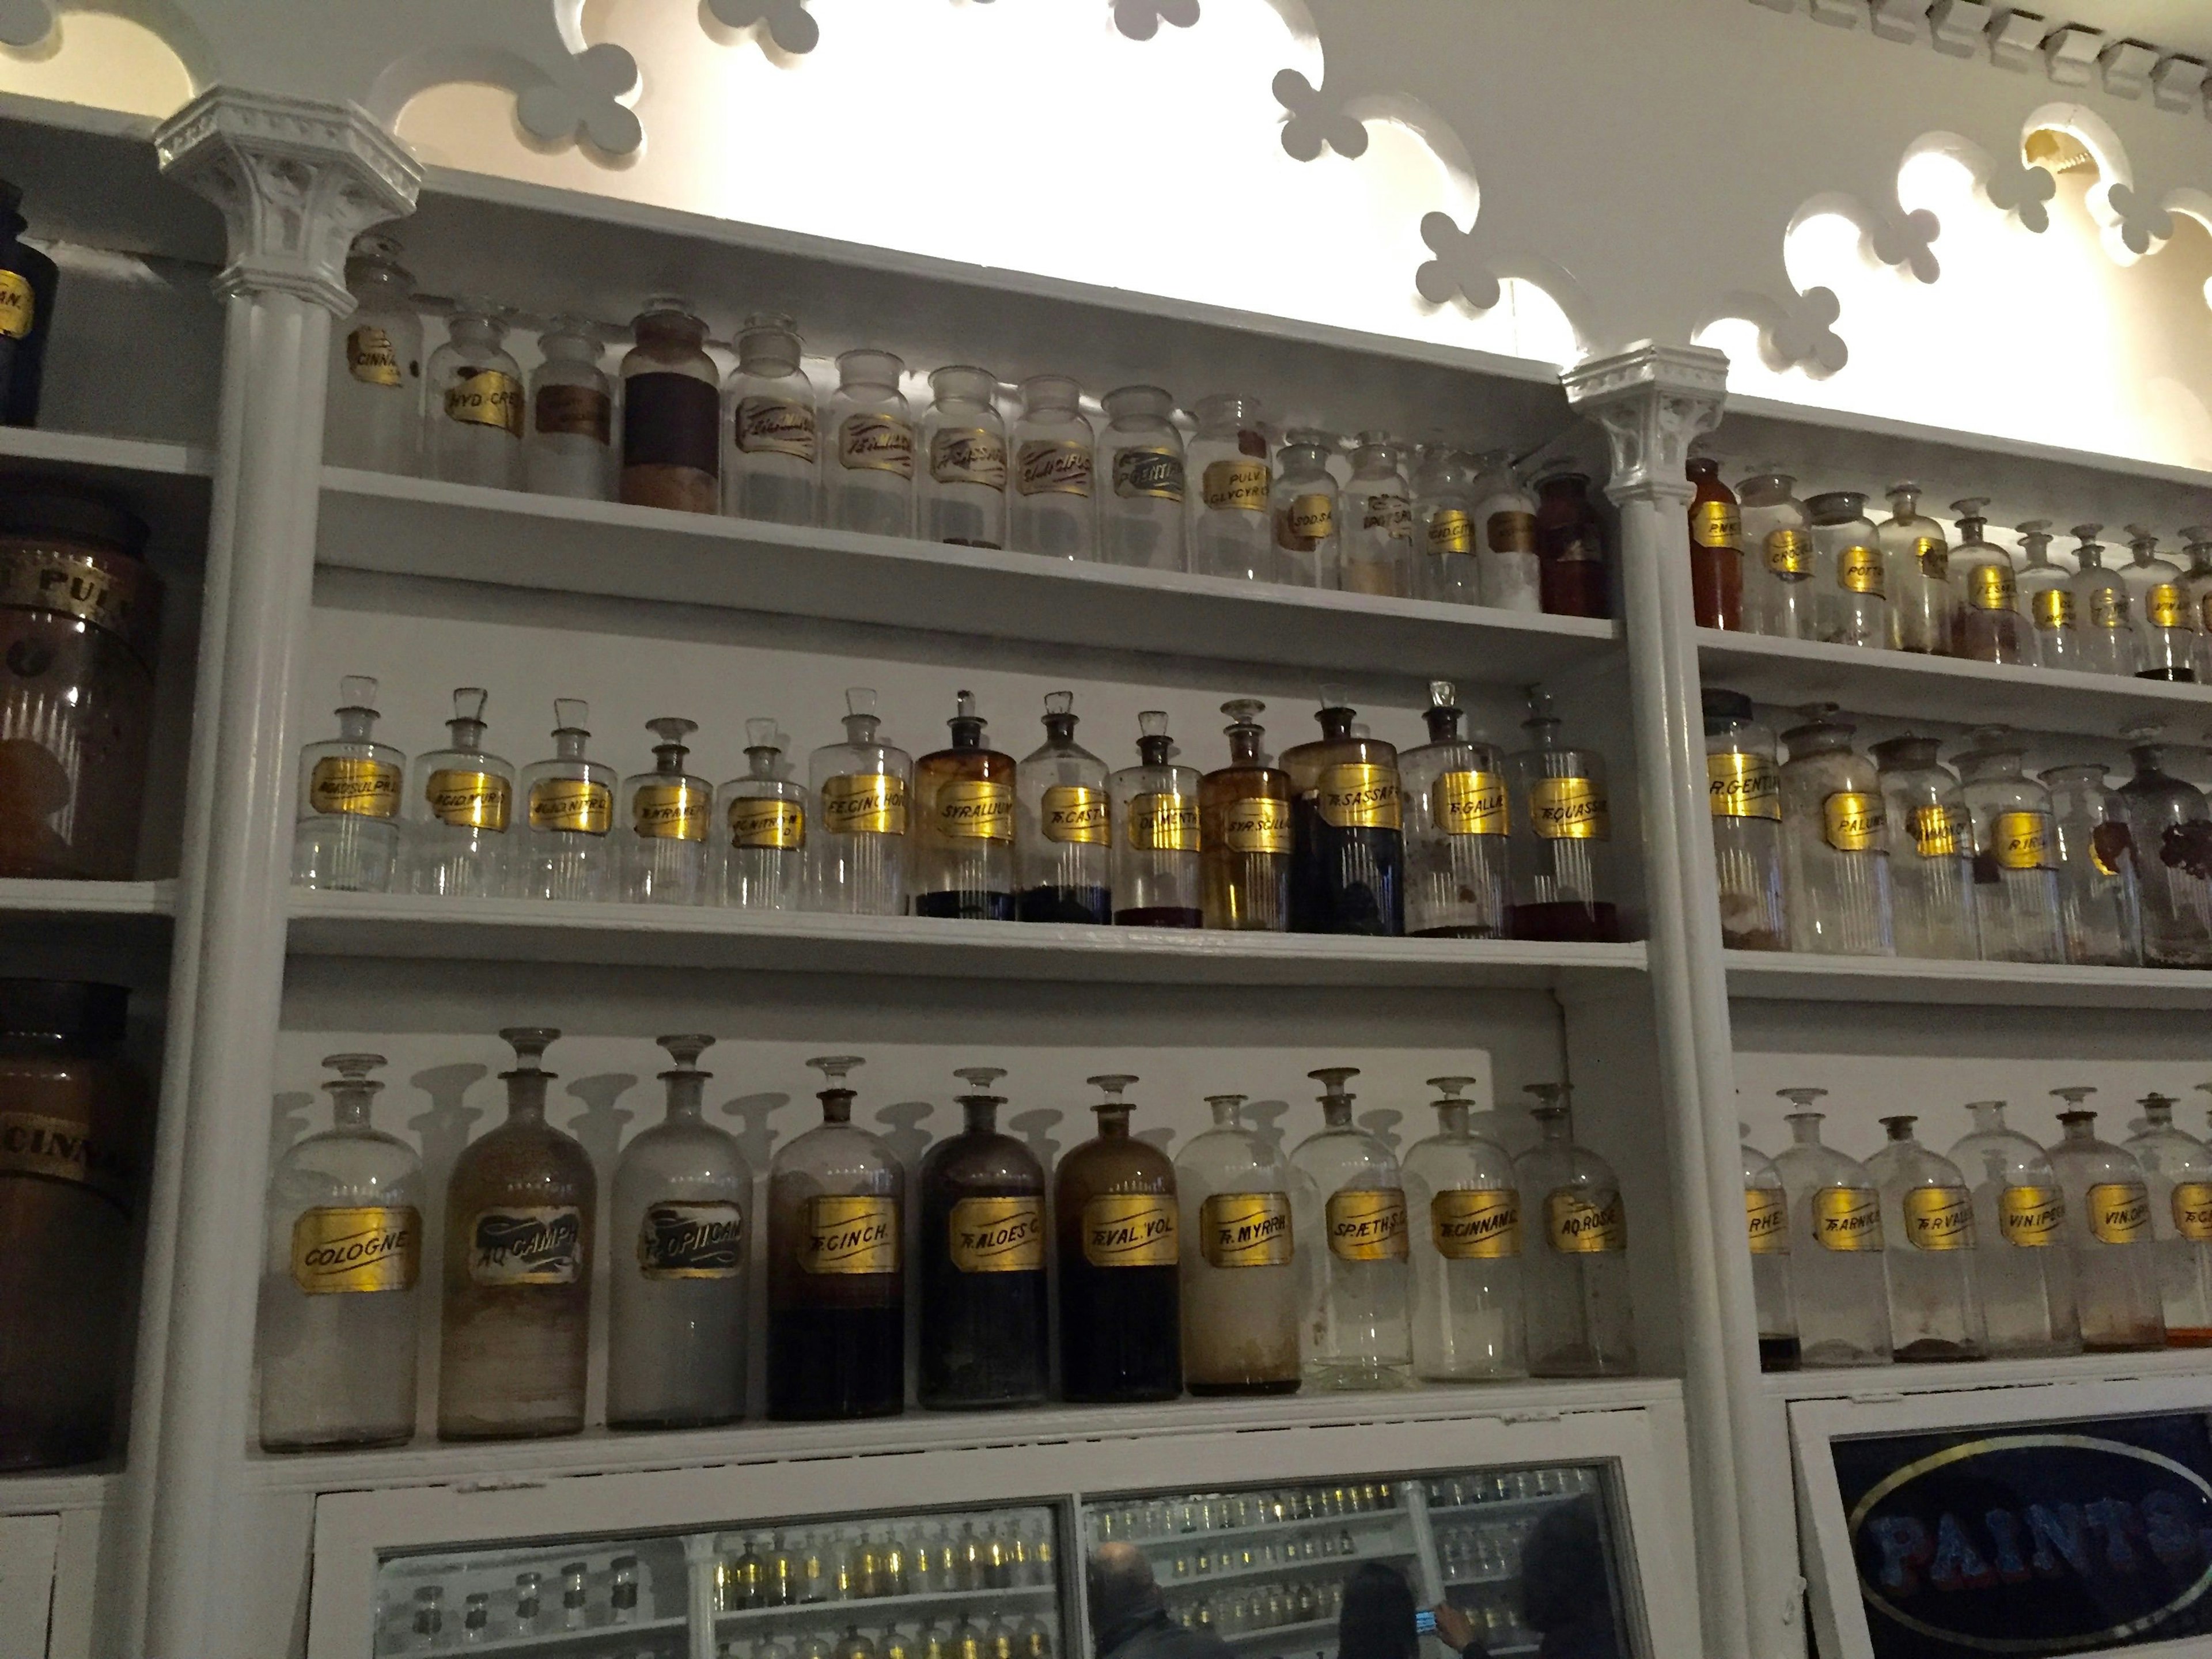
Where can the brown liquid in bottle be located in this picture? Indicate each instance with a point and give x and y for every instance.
(1121, 1306)
(1571, 549)
(1244, 832)
(671, 413)
(1715, 549)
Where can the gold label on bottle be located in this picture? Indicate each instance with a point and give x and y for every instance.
(2192, 1210)
(1306, 522)
(1367, 1226)
(1992, 586)
(1853, 820)
(2108, 608)
(1246, 1229)
(670, 811)
(1939, 1218)
(2052, 608)
(1052, 466)
(1935, 558)
(679, 1239)
(1715, 523)
(1154, 473)
(1391, 514)
(1163, 822)
(975, 809)
(1847, 1219)
(967, 455)
(1450, 530)
(370, 355)
(486, 396)
(527, 1244)
(2031, 1216)
(1469, 804)
(876, 443)
(766, 822)
(575, 411)
(864, 804)
(850, 1235)
(1258, 824)
(1129, 1230)
(1789, 555)
(118, 596)
(1511, 532)
(1766, 1220)
(19, 306)
(1569, 809)
(2165, 607)
(1585, 1221)
(60, 1149)
(1235, 485)
(575, 804)
(776, 426)
(1858, 570)
(344, 786)
(469, 800)
(996, 1235)
(1071, 813)
(1740, 786)
(1475, 1226)
(1935, 831)
(340, 1251)
(2021, 841)
(2119, 1212)
(1359, 795)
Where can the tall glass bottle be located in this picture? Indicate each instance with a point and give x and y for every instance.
(1140, 484)
(1836, 1246)
(2097, 903)
(570, 807)
(1850, 578)
(519, 1209)
(1928, 1228)
(2178, 1173)
(1562, 835)
(2104, 615)
(2170, 832)
(1114, 1208)
(459, 820)
(1834, 841)
(1457, 828)
(836, 1282)
(763, 813)
(682, 1211)
(1376, 539)
(1743, 788)
(2165, 624)
(963, 492)
(1445, 531)
(2015, 864)
(772, 469)
(1348, 870)
(2108, 1229)
(1571, 547)
(2046, 598)
(338, 1296)
(375, 418)
(346, 835)
(1767, 1230)
(1348, 1199)
(1987, 626)
(1050, 510)
(1507, 542)
(1229, 532)
(1778, 590)
(1929, 834)
(1303, 504)
(861, 788)
(2022, 1261)
(569, 450)
(1156, 878)
(1716, 549)
(669, 813)
(984, 1341)
(1918, 587)
(671, 412)
(2196, 593)
(1463, 1204)
(472, 414)
(1243, 1303)
(867, 477)
(1063, 824)
(963, 834)
(1245, 831)
(1581, 1323)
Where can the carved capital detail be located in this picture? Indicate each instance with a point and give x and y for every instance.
(296, 181)
(1651, 401)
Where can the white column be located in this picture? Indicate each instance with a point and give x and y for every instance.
(296, 181)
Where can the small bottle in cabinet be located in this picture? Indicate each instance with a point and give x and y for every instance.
(1140, 484)
(671, 413)
(1050, 511)
(1156, 847)
(1229, 534)
(1581, 1321)
(861, 789)
(1922, 602)
(772, 469)
(2170, 832)
(2046, 600)
(1507, 537)
(1766, 1231)
(1928, 1234)
(1306, 510)
(1850, 577)
(1929, 831)
(1376, 538)
(868, 474)
(1114, 1208)
(1063, 824)
(1837, 1264)
(1244, 831)
(2178, 1172)
(1457, 828)
(1463, 1203)
(2108, 1228)
(1743, 789)
(963, 838)
(2098, 904)
(346, 835)
(1835, 827)
(963, 492)
(1241, 1295)
(2103, 608)
(669, 815)
(473, 414)
(2015, 857)
(1445, 529)
(2165, 622)
(1562, 852)
(1777, 547)
(2196, 593)
(462, 815)
(570, 449)
(764, 818)
(1348, 874)
(1987, 626)
(2026, 1269)
(569, 806)
(1716, 549)
(1349, 1203)
(1576, 577)
(376, 416)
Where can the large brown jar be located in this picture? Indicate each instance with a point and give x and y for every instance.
(1121, 1303)
(671, 413)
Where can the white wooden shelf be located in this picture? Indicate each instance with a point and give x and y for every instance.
(1794, 976)
(49, 1492)
(20, 897)
(1881, 1381)
(874, 1611)
(591, 1639)
(166, 484)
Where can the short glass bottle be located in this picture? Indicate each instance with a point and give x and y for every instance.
(1743, 787)
(772, 471)
(376, 413)
(570, 448)
(2178, 1173)
(1581, 1321)
(1987, 626)
(1837, 1265)
(1348, 1201)
(1245, 831)
(1507, 548)
(963, 491)
(1374, 541)
(1457, 826)
(1923, 604)
(861, 788)
(1115, 1209)
(1139, 485)
(682, 1227)
(2108, 1229)
(2165, 622)
(1050, 512)
(1243, 1302)
(346, 835)
(2015, 862)
(1834, 841)
(2098, 909)
(2046, 600)
(1306, 511)
(1716, 549)
(1570, 548)
(1927, 1228)
(2170, 833)
(867, 476)
(1849, 576)
(764, 814)
(1469, 1316)
(671, 412)
(1063, 824)
(1562, 854)
(2025, 1269)
(1766, 1231)
(1446, 534)
(472, 414)
(1348, 870)
(1929, 832)
(667, 846)
(569, 806)
(459, 820)
(963, 835)
(2104, 615)
(1230, 533)
(2196, 593)
(1158, 882)
(1779, 589)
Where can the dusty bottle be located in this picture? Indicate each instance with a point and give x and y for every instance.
(1230, 530)
(1836, 1246)
(1245, 831)
(2024, 1265)
(2178, 1173)
(1581, 1323)
(2104, 612)
(962, 489)
(1463, 1212)
(1835, 840)
(1922, 602)
(1928, 1230)
(2170, 833)
(1507, 542)
(1987, 626)
(1850, 577)
(566, 852)
(2046, 600)
(1716, 549)
(570, 448)
(1778, 590)
(2097, 908)
(1457, 828)
(1348, 1198)
(963, 834)
(983, 1337)
(1348, 870)
(665, 849)
(672, 417)
(473, 413)
(1766, 1231)
(763, 815)
(862, 787)
(1743, 787)
(375, 418)
(1140, 484)
(1157, 878)
(2108, 1229)
(1376, 538)
(2015, 864)
(868, 477)
(1114, 1208)
(2165, 638)
(1050, 511)
(772, 469)
(1307, 513)
(460, 818)
(1446, 532)
(1929, 834)
(346, 836)
(1242, 1300)
(1063, 824)
(1571, 550)
(1562, 835)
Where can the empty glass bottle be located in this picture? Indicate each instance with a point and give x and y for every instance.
(964, 490)
(1834, 840)
(2170, 833)
(983, 1332)
(1744, 788)
(1837, 1267)
(1850, 577)
(2178, 1174)
(1115, 1207)
(1927, 1228)
(1778, 591)
(1916, 558)
(1464, 1211)
(1245, 831)
(1303, 504)
(473, 413)
(570, 805)
(2016, 865)
(459, 820)
(2103, 611)
(867, 481)
(963, 835)
(1348, 1198)
(2097, 903)
(1242, 1300)
(1348, 873)
(1456, 829)
(666, 850)
(2166, 640)
(375, 414)
(1570, 548)
(2108, 1229)
(2022, 1262)
(1376, 537)
(1507, 547)
(1766, 1229)
(2046, 600)
(1140, 484)
(1581, 1323)
(1716, 549)
(1446, 531)
(1230, 530)
(1561, 854)
(764, 860)
(1156, 878)
(1050, 511)
(2196, 593)
(671, 411)
(1929, 834)
(861, 788)
(1063, 824)
(346, 835)
(1987, 626)
(772, 469)
(570, 448)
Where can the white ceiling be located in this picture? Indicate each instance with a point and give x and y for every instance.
(2182, 26)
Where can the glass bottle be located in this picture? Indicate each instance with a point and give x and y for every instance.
(1917, 585)
(1836, 1246)
(1456, 829)
(1716, 549)
(1348, 1199)
(1850, 579)
(1114, 1204)
(2165, 638)
(1506, 538)
(1063, 825)
(861, 789)
(459, 818)
(1743, 787)
(26, 313)
(570, 450)
(1375, 550)
(514, 1341)
(1835, 826)
(338, 1284)
(772, 471)
(1468, 1321)
(1581, 1323)
(671, 412)
(983, 1333)
(570, 801)
(2097, 904)
(1446, 534)
(473, 413)
(1229, 532)
(346, 838)
(2170, 833)
(1571, 548)
(1050, 512)
(2196, 594)
(2178, 1174)
(1929, 834)
(671, 813)
(375, 409)
(1348, 870)
(1778, 592)
(1241, 1298)
(2016, 864)
(1141, 485)
(1987, 626)
(964, 837)
(2025, 1269)
(836, 1332)
(1156, 878)
(1306, 511)
(1561, 854)
(1767, 1230)
(1928, 1228)
(682, 1231)
(2108, 1229)
(764, 864)
(1245, 831)
(2104, 615)
(871, 486)
(962, 494)
(2046, 600)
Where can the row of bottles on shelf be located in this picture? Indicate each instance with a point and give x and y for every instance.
(979, 1637)
(668, 430)
(1766, 562)
(585, 1598)
(1229, 1270)
(903, 1558)
(1451, 839)
(1893, 853)
(2001, 1249)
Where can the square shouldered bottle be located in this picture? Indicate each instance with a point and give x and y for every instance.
(1767, 1232)
(668, 817)
(868, 475)
(1348, 1199)
(1928, 1234)
(2097, 908)
(1063, 824)
(2170, 833)
(1140, 485)
(1242, 1298)
(1581, 1321)
(963, 834)
(862, 788)
(1850, 577)
(1230, 532)
(963, 490)
(2026, 1270)
(375, 409)
(1463, 1204)
(2178, 1172)
(772, 469)
(2108, 1229)
(460, 821)
(1157, 878)
(1456, 829)
(473, 409)
(1506, 548)
(1245, 831)
(1743, 788)
(1374, 539)
(1834, 841)
(2104, 610)
(1929, 831)
(1562, 851)
(1716, 549)
(671, 413)
(569, 809)
(1050, 510)
(1837, 1259)
(1348, 870)
(764, 819)
(1116, 1214)
(2015, 859)
(346, 836)
(1987, 626)
(1779, 589)
(569, 450)
(1922, 602)
(2046, 600)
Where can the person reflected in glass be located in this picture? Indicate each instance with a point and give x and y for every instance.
(1128, 1617)
(1376, 1618)
(1566, 1595)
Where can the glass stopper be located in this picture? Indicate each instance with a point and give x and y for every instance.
(1060, 706)
(964, 705)
(469, 702)
(684, 1048)
(1245, 711)
(530, 1043)
(672, 729)
(1451, 1087)
(1331, 1079)
(835, 1067)
(354, 1068)
(2158, 1108)
(979, 1079)
(760, 736)
(1900, 1126)
(1112, 1083)
(2075, 1094)
(1803, 1099)
(1443, 694)
(357, 692)
(569, 714)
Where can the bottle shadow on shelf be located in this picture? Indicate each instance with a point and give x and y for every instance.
(903, 1132)
(756, 1138)
(288, 1121)
(1265, 1119)
(1035, 1128)
(599, 1125)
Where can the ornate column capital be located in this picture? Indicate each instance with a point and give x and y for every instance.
(296, 181)
(1652, 400)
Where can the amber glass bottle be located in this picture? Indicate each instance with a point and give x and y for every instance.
(1244, 821)
(1716, 549)
(1120, 1318)
(1571, 548)
(1348, 858)
(671, 412)
(963, 835)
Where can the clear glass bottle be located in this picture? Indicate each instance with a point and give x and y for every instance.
(1230, 533)
(1766, 1231)
(1778, 591)
(1743, 787)
(2165, 637)
(2104, 614)
(1158, 881)
(458, 821)
(1716, 549)
(1050, 512)
(2025, 1268)
(1307, 513)
(2097, 904)
(1581, 1323)
(1242, 1298)
(519, 1207)
(671, 415)
(1927, 1228)
(1834, 841)
(570, 448)
(1837, 1265)
(1457, 826)
(1929, 834)
(669, 814)
(1140, 484)
(763, 863)
(338, 1285)
(1469, 1311)
(1506, 538)
(1987, 625)
(375, 409)
(1063, 824)
(1570, 548)
(1115, 1210)
(868, 479)
(1348, 1202)
(1374, 541)
(2170, 833)
(2108, 1229)
(472, 414)
(1849, 576)
(2178, 1173)
(772, 471)
(2015, 863)
(837, 1333)
(1245, 831)
(1562, 854)
(569, 806)
(963, 834)
(682, 1213)
(963, 492)
(2046, 600)
(1446, 531)
(2196, 593)
(346, 836)
(1917, 559)
(861, 789)
(1348, 868)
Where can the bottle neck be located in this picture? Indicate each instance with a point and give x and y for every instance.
(1227, 1116)
(1244, 745)
(1988, 1119)
(1060, 729)
(982, 1113)
(355, 725)
(967, 733)
(1153, 752)
(762, 762)
(1336, 1111)
(1805, 1129)
(1443, 723)
(569, 744)
(1451, 1118)
(836, 1105)
(466, 735)
(525, 1096)
(350, 1108)
(686, 1094)
(1336, 724)
(1113, 1121)
(861, 729)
